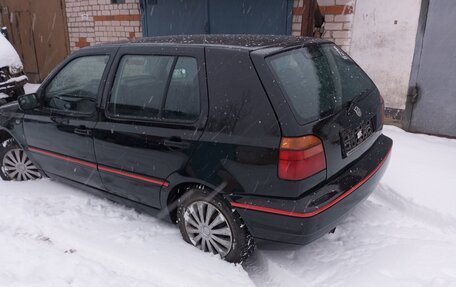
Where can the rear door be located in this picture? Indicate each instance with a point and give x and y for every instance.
(59, 134)
(154, 115)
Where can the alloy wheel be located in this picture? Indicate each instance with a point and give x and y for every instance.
(17, 166)
(207, 228)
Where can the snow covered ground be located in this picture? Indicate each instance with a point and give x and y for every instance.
(31, 88)
(403, 235)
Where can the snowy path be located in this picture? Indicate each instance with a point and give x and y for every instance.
(404, 235)
(53, 235)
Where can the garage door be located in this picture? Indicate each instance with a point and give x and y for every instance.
(175, 17)
(435, 109)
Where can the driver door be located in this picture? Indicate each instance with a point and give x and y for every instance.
(59, 133)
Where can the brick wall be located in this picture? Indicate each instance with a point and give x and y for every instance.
(98, 21)
(338, 20)
(297, 18)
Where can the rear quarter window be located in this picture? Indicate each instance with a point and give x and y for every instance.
(318, 80)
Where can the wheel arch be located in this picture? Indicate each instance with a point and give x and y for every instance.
(179, 185)
(6, 135)
(11, 126)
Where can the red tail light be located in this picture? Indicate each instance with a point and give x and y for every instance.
(301, 157)
(382, 112)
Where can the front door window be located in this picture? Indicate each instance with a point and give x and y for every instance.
(75, 87)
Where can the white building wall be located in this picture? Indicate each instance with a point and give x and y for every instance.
(383, 44)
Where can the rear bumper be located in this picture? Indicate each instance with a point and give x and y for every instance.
(292, 221)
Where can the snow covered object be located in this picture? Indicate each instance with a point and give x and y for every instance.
(12, 77)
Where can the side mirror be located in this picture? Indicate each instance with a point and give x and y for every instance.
(28, 102)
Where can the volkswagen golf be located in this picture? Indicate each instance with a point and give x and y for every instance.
(233, 138)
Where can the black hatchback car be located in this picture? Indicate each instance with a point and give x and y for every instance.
(231, 137)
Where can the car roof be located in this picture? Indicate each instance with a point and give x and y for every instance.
(245, 42)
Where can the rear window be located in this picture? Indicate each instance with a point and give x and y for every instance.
(318, 80)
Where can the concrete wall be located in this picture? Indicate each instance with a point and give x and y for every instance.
(383, 44)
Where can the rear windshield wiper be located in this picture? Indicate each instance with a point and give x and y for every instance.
(356, 99)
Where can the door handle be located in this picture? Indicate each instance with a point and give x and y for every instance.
(83, 131)
(60, 121)
(176, 142)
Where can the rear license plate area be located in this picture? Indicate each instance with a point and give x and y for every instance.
(353, 137)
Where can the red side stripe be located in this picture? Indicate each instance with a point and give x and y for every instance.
(99, 167)
(64, 158)
(132, 175)
(315, 212)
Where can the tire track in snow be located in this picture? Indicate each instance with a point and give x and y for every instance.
(378, 231)
(432, 218)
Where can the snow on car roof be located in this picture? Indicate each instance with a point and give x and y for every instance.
(249, 42)
(8, 55)
(245, 41)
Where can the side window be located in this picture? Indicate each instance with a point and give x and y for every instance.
(75, 87)
(183, 99)
(148, 87)
(140, 86)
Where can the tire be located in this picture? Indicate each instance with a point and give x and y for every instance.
(15, 164)
(232, 240)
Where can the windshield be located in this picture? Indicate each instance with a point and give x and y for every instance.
(318, 80)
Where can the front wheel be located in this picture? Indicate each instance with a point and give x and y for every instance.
(206, 221)
(15, 164)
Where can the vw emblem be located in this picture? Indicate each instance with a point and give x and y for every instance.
(358, 111)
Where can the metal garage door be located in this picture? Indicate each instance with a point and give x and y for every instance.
(174, 17)
(435, 109)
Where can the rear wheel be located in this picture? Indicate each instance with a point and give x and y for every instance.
(15, 164)
(207, 222)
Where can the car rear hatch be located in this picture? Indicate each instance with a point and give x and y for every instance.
(326, 95)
